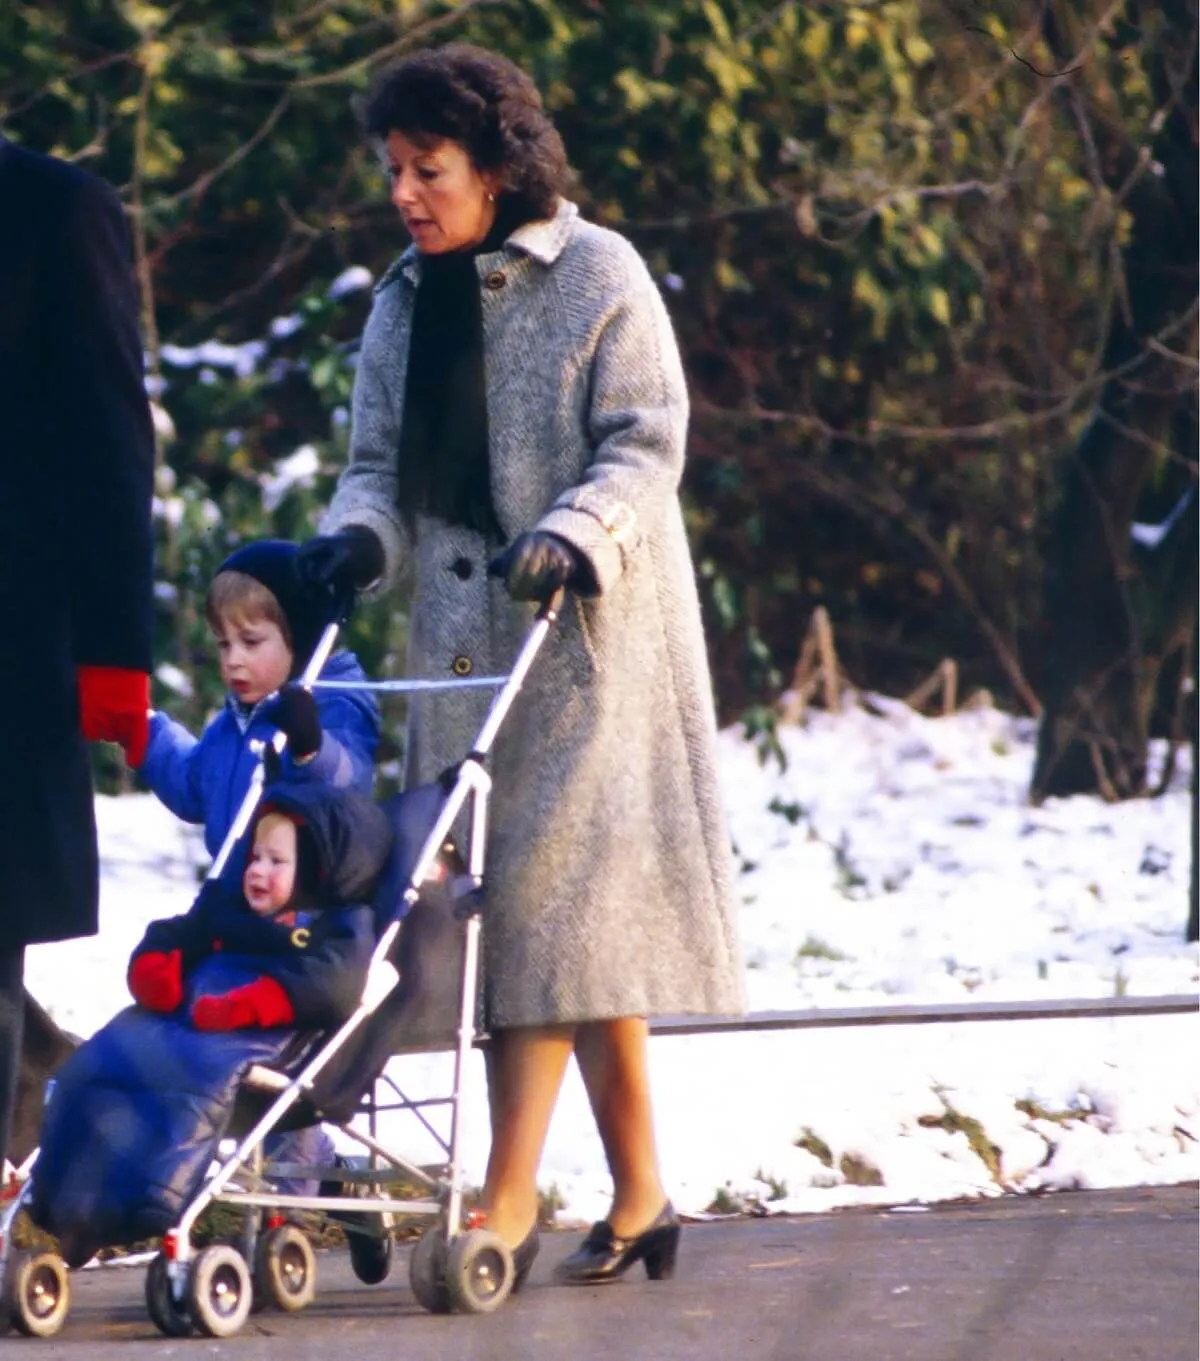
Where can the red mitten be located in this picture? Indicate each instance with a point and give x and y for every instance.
(263, 1003)
(114, 706)
(156, 979)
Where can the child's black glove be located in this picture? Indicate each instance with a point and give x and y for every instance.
(535, 565)
(294, 713)
(350, 560)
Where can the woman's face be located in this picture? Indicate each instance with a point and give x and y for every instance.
(445, 202)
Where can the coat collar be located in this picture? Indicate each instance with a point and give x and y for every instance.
(544, 240)
(547, 238)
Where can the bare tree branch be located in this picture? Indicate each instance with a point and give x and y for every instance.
(202, 183)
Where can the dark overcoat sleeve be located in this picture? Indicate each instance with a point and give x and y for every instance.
(76, 472)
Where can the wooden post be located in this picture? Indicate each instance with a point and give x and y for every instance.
(949, 686)
(830, 673)
(944, 677)
(816, 666)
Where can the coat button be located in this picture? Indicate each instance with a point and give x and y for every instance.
(462, 568)
(495, 280)
(461, 666)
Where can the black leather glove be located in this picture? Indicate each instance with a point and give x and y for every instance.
(535, 565)
(294, 713)
(349, 560)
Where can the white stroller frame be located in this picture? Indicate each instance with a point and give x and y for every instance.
(467, 1270)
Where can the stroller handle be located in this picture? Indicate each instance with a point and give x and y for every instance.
(552, 604)
(546, 616)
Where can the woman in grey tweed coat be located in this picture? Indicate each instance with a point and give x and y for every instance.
(520, 389)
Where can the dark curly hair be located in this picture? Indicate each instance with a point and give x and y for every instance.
(485, 103)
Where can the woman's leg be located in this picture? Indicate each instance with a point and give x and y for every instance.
(613, 1060)
(525, 1067)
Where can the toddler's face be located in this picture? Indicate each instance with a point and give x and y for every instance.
(270, 875)
(255, 657)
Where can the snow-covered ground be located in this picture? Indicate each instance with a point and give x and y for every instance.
(894, 859)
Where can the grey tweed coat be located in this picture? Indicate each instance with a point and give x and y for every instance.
(608, 889)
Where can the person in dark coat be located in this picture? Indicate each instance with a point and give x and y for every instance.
(76, 550)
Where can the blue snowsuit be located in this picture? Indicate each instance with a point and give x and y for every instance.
(205, 780)
(139, 1108)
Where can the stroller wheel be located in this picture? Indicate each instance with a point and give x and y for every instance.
(371, 1256)
(479, 1272)
(38, 1292)
(285, 1269)
(219, 1291)
(427, 1271)
(170, 1316)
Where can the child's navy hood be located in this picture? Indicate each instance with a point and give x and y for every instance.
(350, 836)
(307, 610)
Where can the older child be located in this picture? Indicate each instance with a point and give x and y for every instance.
(266, 624)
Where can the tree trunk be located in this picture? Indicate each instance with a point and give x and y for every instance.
(1110, 619)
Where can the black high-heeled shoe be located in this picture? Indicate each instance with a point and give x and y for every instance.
(523, 1256)
(602, 1256)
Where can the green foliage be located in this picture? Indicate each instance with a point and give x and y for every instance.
(1035, 1110)
(815, 948)
(859, 1171)
(760, 725)
(725, 1202)
(229, 422)
(812, 1143)
(956, 1122)
(777, 1187)
(791, 812)
(886, 241)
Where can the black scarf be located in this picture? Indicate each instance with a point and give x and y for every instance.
(443, 467)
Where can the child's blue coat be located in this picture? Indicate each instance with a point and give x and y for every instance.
(139, 1108)
(205, 779)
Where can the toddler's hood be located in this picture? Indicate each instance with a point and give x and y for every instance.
(349, 835)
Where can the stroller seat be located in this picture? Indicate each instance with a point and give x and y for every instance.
(422, 1011)
(420, 995)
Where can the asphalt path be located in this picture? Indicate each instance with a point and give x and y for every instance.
(1078, 1276)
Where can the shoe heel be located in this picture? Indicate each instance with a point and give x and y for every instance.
(660, 1257)
(523, 1256)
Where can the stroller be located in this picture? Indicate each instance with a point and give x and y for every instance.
(420, 995)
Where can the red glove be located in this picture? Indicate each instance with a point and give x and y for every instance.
(262, 1002)
(114, 706)
(156, 979)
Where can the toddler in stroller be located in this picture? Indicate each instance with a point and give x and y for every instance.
(138, 1110)
(266, 624)
(420, 993)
